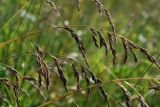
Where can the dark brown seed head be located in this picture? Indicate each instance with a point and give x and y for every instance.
(102, 91)
(85, 75)
(61, 75)
(112, 48)
(16, 90)
(6, 82)
(29, 78)
(43, 69)
(76, 74)
(125, 46)
(102, 42)
(94, 34)
(134, 55)
(150, 57)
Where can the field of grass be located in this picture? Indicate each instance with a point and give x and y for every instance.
(79, 53)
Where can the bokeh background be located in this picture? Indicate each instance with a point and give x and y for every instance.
(136, 20)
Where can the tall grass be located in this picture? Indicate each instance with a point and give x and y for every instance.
(56, 53)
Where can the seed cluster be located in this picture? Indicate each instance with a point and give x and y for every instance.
(43, 69)
(126, 93)
(107, 14)
(128, 46)
(61, 74)
(101, 39)
(85, 71)
(77, 75)
(14, 83)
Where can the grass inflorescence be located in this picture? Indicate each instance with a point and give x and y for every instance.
(79, 71)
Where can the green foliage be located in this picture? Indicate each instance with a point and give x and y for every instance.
(23, 22)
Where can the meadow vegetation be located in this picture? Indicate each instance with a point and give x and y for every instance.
(79, 53)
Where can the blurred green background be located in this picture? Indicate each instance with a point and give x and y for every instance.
(136, 20)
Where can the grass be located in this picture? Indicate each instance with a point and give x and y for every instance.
(79, 53)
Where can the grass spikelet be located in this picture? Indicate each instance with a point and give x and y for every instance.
(94, 34)
(101, 39)
(13, 71)
(46, 76)
(112, 48)
(16, 89)
(6, 82)
(14, 83)
(129, 44)
(144, 51)
(125, 46)
(54, 6)
(85, 75)
(111, 23)
(39, 64)
(134, 55)
(76, 74)
(78, 41)
(102, 42)
(104, 94)
(107, 14)
(29, 78)
(39, 80)
(43, 68)
(126, 93)
(92, 76)
(97, 82)
(61, 75)
(149, 57)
